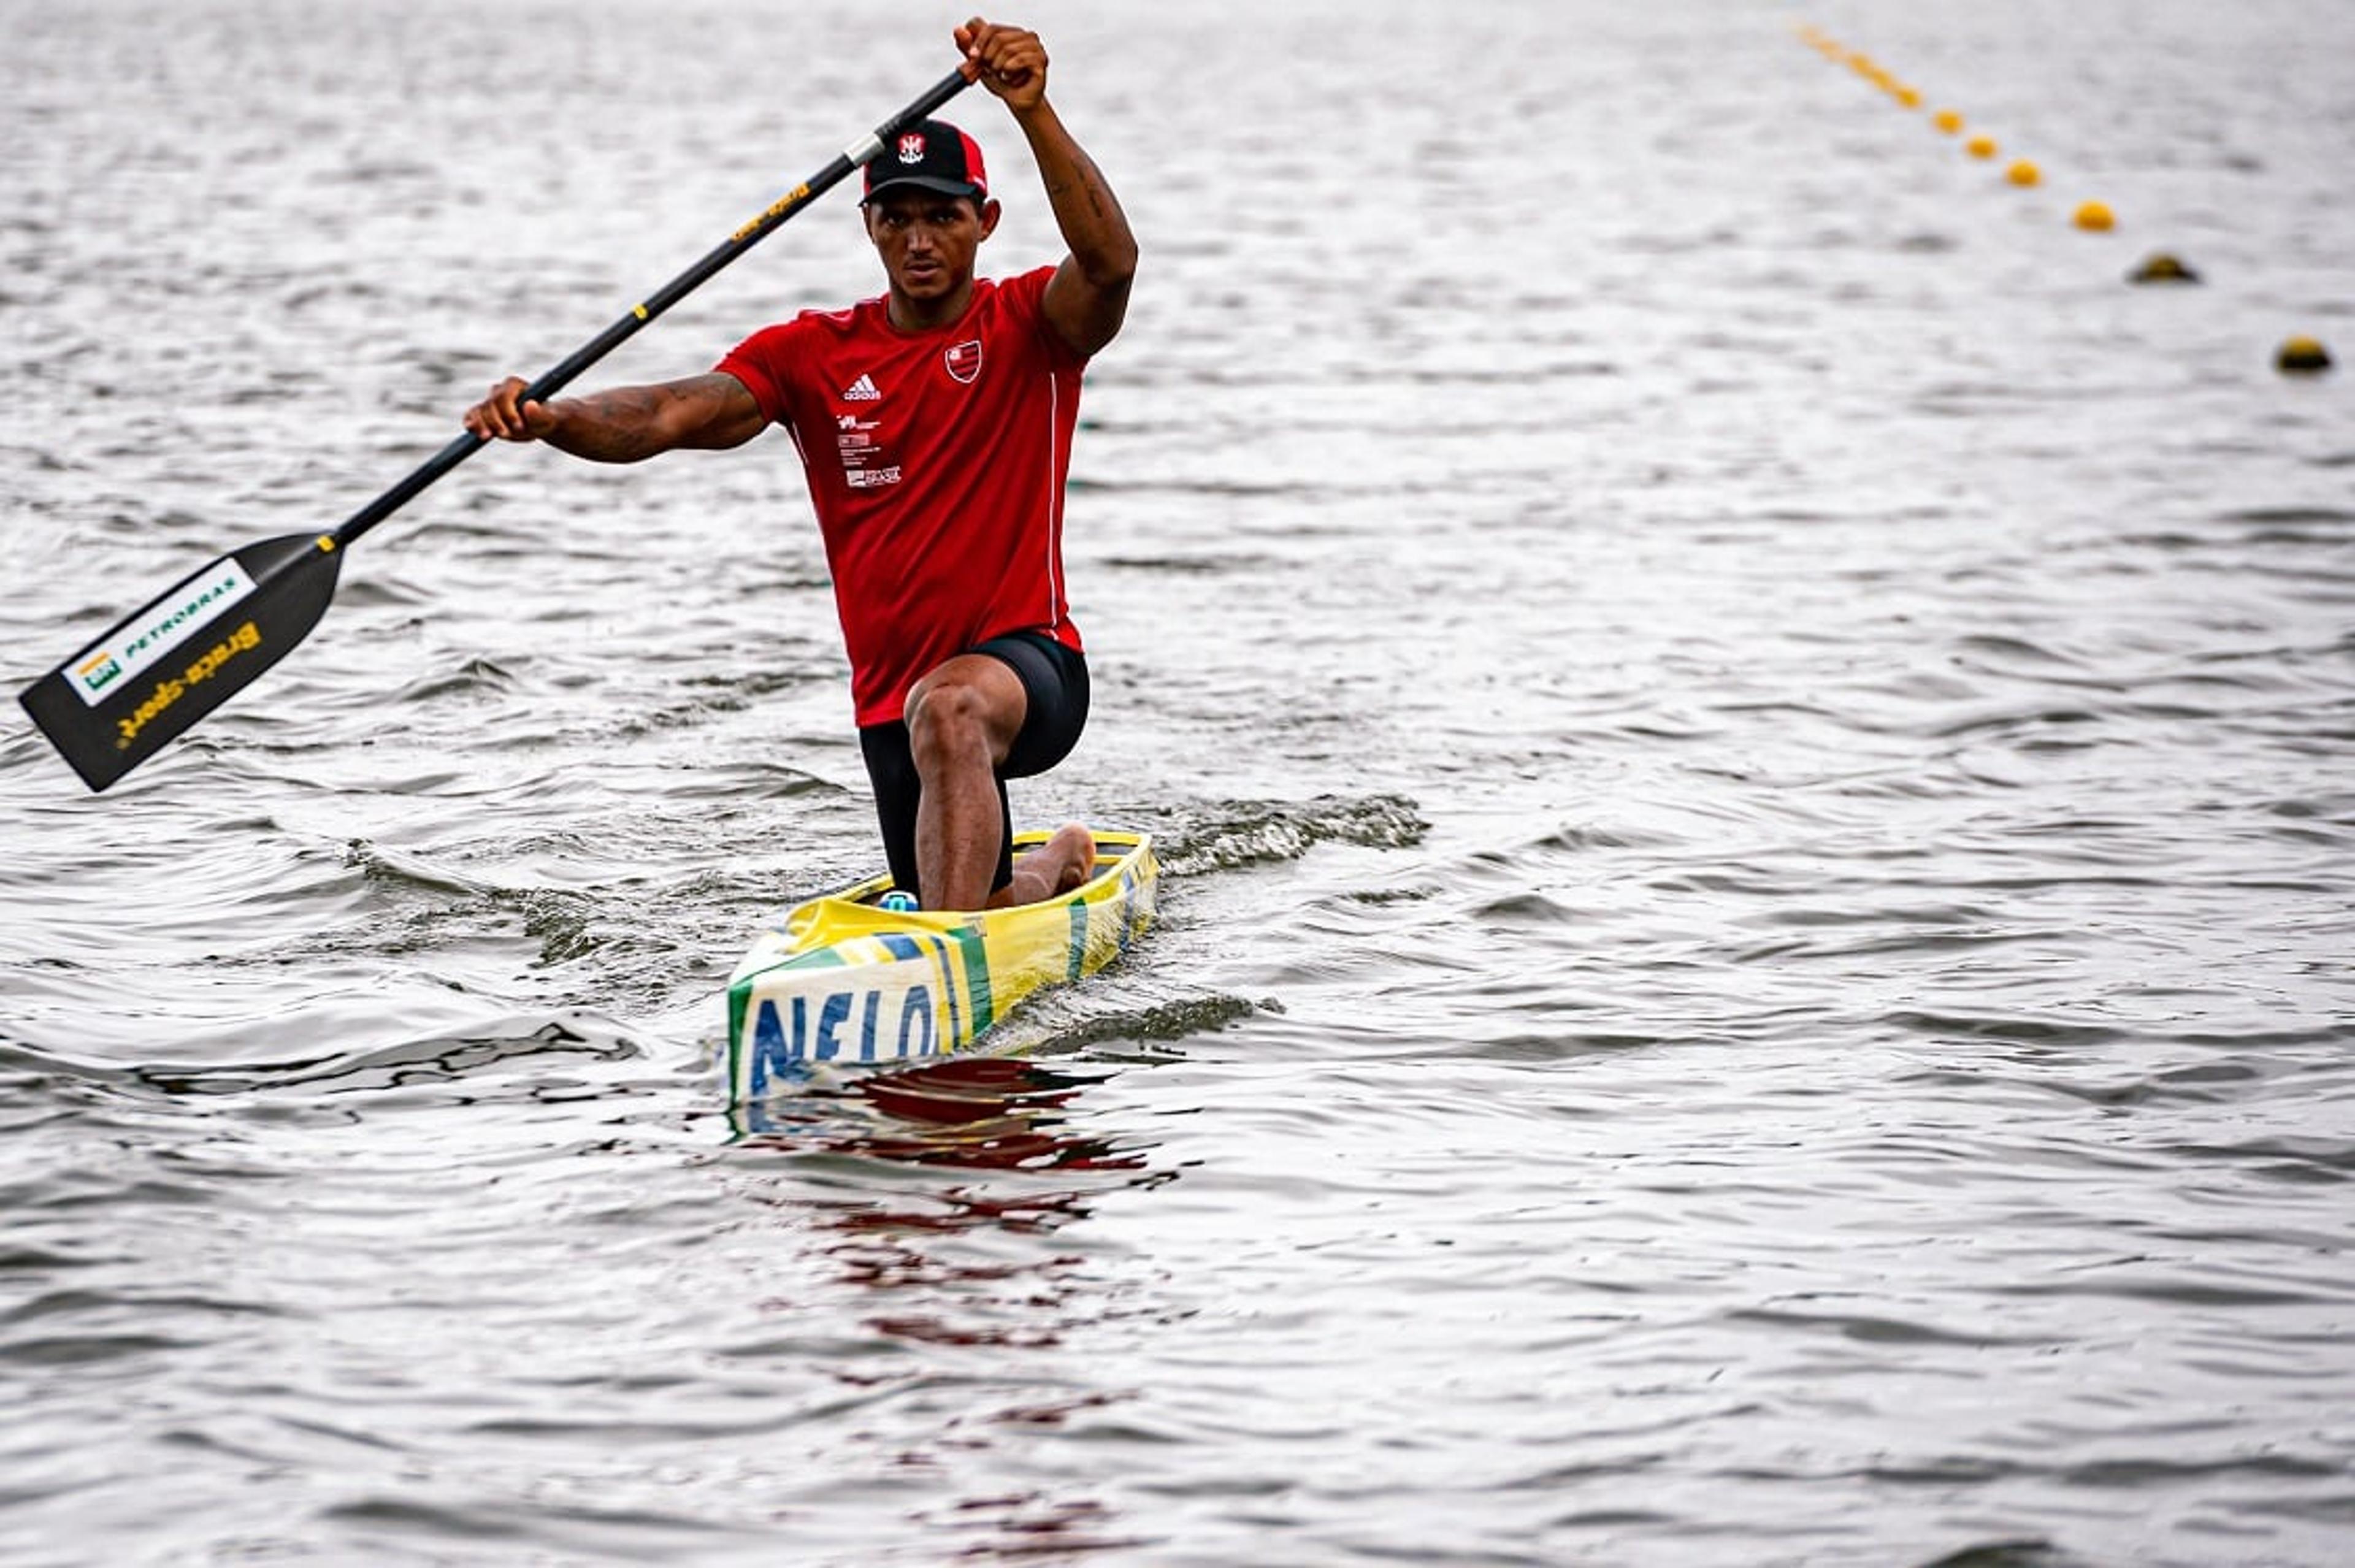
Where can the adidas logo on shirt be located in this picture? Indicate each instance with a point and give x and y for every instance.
(862, 390)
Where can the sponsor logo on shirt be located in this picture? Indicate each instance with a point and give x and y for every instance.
(864, 464)
(964, 360)
(864, 391)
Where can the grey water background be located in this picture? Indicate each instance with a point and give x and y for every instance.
(1754, 753)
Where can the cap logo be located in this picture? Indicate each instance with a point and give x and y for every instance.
(911, 147)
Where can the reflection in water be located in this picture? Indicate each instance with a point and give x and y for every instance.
(990, 1113)
(944, 1269)
(994, 1115)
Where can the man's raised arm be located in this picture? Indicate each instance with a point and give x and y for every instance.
(1088, 298)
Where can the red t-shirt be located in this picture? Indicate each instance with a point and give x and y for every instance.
(936, 463)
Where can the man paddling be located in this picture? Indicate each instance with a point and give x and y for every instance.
(934, 426)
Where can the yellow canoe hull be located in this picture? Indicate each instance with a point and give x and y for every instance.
(841, 980)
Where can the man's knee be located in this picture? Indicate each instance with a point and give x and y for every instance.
(946, 719)
(973, 704)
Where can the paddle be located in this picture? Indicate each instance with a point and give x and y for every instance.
(181, 655)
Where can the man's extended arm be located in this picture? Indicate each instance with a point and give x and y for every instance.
(626, 424)
(1088, 298)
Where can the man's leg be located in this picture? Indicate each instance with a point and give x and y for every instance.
(965, 719)
(892, 772)
(962, 721)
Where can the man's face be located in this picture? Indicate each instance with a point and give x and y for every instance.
(928, 240)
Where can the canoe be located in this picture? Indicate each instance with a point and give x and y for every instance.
(841, 980)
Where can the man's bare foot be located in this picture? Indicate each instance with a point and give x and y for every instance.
(1056, 867)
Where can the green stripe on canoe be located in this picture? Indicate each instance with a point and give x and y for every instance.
(827, 957)
(977, 977)
(739, 998)
(937, 947)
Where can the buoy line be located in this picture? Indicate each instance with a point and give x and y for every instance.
(2298, 355)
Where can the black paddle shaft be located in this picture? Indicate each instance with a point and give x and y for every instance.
(559, 376)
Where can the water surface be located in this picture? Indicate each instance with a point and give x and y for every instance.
(1751, 750)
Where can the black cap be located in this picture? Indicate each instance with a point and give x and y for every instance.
(930, 155)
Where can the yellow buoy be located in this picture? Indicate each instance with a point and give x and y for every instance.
(1947, 120)
(1907, 96)
(2302, 355)
(1980, 146)
(2095, 218)
(2022, 173)
(2161, 268)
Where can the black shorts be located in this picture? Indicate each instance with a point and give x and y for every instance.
(1055, 683)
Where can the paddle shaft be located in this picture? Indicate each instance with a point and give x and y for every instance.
(559, 376)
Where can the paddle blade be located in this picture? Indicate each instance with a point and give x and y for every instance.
(119, 701)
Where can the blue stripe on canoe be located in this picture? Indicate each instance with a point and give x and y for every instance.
(903, 947)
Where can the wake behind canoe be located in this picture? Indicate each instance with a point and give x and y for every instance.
(840, 979)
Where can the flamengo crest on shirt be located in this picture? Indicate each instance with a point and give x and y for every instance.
(864, 391)
(964, 360)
